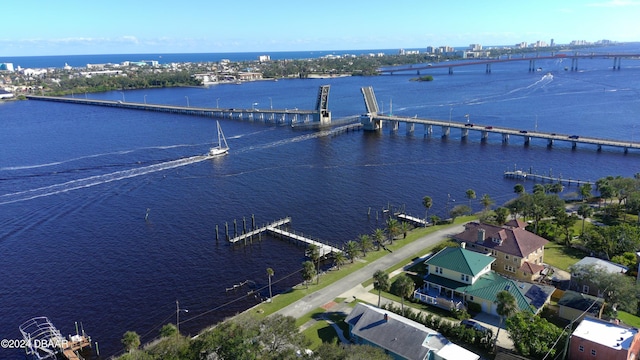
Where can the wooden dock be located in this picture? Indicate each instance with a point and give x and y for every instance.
(274, 229)
(259, 231)
(519, 174)
(412, 219)
(325, 248)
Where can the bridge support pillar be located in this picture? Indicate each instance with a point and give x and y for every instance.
(527, 140)
(574, 144)
(394, 125)
(370, 123)
(410, 128)
(428, 129)
(599, 147)
(488, 69)
(464, 133)
(446, 131)
(532, 65)
(485, 135)
(549, 143)
(505, 138)
(450, 70)
(616, 63)
(574, 64)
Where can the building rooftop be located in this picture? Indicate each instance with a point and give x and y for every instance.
(461, 260)
(512, 240)
(605, 333)
(609, 266)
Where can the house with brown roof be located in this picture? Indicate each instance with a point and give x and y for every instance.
(519, 253)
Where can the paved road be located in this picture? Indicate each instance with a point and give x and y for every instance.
(349, 282)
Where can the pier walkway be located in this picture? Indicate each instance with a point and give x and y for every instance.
(274, 229)
(519, 174)
(412, 219)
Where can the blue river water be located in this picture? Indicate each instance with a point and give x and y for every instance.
(76, 183)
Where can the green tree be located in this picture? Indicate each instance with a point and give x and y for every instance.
(380, 282)
(502, 213)
(270, 275)
(366, 243)
(470, 194)
(518, 189)
(229, 340)
(506, 306)
(331, 351)
(584, 211)
(393, 228)
(280, 337)
(351, 249)
(378, 236)
(533, 336)
(539, 189)
(339, 259)
(308, 272)
(404, 287)
(168, 330)
(585, 191)
(459, 210)
(314, 255)
(427, 202)
(131, 341)
(405, 227)
(565, 223)
(486, 201)
(435, 219)
(619, 291)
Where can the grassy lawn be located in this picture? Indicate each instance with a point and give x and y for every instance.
(560, 256)
(300, 291)
(629, 319)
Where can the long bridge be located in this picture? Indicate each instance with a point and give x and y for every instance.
(372, 121)
(320, 116)
(418, 68)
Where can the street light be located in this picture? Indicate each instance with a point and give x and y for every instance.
(450, 111)
(217, 106)
(270, 103)
(178, 315)
(253, 106)
(467, 116)
(186, 97)
(122, 92)
(145, 99)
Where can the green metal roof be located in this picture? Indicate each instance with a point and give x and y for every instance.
(460, 260)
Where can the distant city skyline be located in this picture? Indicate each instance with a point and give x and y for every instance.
(73, 27)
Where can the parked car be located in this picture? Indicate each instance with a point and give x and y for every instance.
(469, 124)
(488, 127)
(574, 137)
(523, 131)
(472, 324)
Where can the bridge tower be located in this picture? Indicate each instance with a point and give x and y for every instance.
(322, 105)
(368, 120)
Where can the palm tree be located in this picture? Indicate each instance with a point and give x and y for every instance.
(585, 211)
(435, 219)
(518, 189)
(380, 282)
(486, 201)
(314, 255)
(379, 236)
(404, 229)
(339, 259)
(270, 274)
(365, 243)
(427, 202)
(585, 191)
(506, 307)
(308, 272)
(392, 228)
(470, 194)
(405, 287)
(351, 250)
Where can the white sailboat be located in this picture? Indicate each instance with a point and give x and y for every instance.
(222, 148)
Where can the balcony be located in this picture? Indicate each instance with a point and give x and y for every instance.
(442, 298)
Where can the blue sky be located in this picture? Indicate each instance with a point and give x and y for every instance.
(70, 27)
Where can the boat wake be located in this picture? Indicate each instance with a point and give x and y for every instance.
(96, 180)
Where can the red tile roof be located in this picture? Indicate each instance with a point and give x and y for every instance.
(509, 240)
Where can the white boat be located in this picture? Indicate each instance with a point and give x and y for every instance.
(222, 148)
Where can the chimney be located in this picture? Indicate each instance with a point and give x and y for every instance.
(463, 245)
(386, 317)
(481, 235)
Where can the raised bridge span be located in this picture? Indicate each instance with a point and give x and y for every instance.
(372, 121)
(418, 68)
